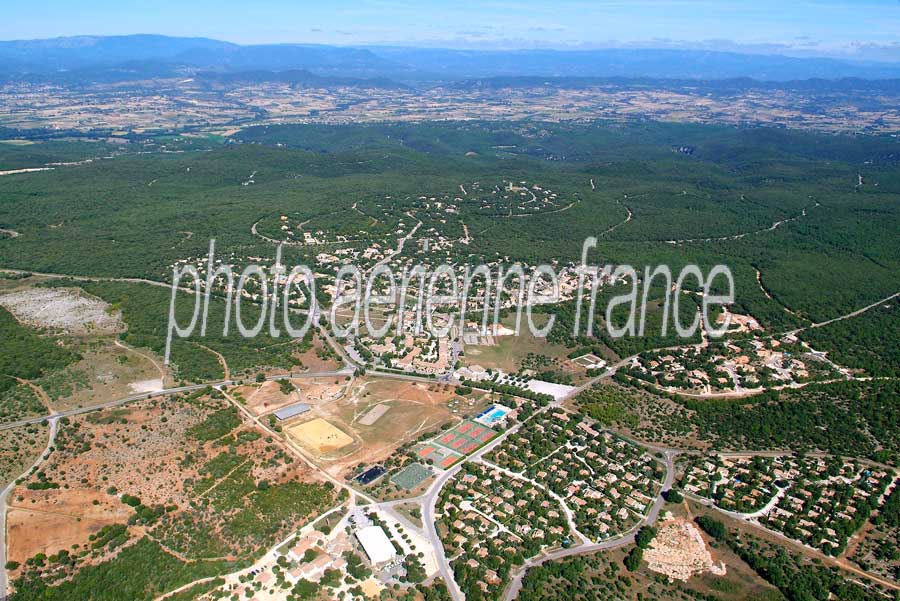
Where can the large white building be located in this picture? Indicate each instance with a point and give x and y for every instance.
(376, 544)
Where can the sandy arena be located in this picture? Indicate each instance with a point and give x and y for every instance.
(319, 436)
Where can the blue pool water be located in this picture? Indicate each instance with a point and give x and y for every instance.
(492, 415)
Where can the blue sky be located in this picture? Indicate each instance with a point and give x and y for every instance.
(864, 28)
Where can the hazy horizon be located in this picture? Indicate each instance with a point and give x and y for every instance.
(867, 30)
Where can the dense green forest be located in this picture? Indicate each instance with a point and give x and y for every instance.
(48, 153)
(797, 578)
(139, 213)
(870, 342)
(145, 309)
(141, 571)
(26, 354)
(855, 419)
(783, 209)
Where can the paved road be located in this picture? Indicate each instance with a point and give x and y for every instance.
(293, 447)
(410, 377)
(429, 503)
(515, 586)
(429, 499)
(111, 404)
(749, 519)
(343, 372)
(5, 494)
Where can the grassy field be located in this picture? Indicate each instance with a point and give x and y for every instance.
(509, 352)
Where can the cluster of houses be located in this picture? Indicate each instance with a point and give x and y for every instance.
(608, 483)
(491, 516)
(819, 501)
(731, 365)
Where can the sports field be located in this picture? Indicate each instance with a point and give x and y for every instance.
(411, 476)
(319, 436)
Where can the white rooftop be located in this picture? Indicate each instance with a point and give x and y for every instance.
(376, 544)
(557, 391)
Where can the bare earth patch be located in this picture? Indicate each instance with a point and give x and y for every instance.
(265, 397)
(319, 436)
(105, 372)
(63, 308)
(40, 523)
(146, 385)
(679, 552)
(404, 411)
(150, 450)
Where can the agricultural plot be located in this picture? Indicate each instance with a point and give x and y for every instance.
(609, 483)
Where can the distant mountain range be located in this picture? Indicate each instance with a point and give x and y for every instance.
(123, 58)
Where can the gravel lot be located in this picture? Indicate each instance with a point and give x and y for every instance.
(63, 308)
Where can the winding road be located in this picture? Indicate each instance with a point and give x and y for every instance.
(515, 585)
(4, 495)
(771, 228)
(429, 499)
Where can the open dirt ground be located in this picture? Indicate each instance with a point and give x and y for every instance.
(319, 436)
(679, 552)
(404, 410)
(169, 452)
(107, 371)
(313, 360)
(62, 308)
(265, 397)
(42, 524)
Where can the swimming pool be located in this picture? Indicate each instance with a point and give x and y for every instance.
(492, 415)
